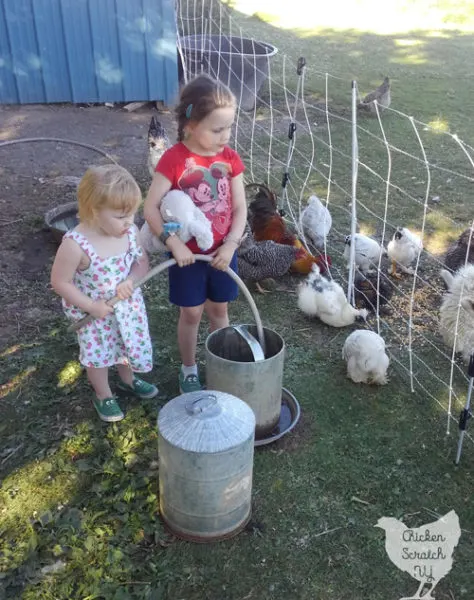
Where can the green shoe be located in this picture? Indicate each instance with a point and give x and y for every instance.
(108, 409)
(139, 388)
(190, 383)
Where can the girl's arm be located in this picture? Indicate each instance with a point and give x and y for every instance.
(138, 270)
(140, 267)
(225, 252)
(151, 211)
(66, 263)
(239, 208)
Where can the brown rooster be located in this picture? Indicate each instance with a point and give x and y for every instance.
(267, 224)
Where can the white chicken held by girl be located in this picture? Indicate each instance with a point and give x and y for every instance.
(316, 221)
(320, 297)
(403, 249)
(367, 361)
(367, 252)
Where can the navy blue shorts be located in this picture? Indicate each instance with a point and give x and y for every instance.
(196, 283)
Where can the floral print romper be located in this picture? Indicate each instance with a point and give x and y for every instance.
(122, 337)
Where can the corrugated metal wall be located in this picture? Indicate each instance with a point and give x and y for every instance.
(87, 51)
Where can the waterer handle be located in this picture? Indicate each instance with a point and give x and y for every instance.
(169, 263)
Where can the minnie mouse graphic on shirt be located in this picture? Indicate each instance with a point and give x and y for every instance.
(208, 181)
(210, 191)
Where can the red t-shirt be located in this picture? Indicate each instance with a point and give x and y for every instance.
(207, 180)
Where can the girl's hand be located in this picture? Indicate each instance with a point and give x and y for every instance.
(125, 289)
(223, 256)
(181, 253)
(100, 309)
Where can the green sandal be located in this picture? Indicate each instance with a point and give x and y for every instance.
(139, 388)
(188, 384)
(108, 409)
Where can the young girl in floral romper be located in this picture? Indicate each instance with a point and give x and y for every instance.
(99, 259)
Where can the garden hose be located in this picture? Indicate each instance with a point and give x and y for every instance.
(169, 263)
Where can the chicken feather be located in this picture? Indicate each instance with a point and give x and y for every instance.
(460, 251)
(367, 361)
(158, 143)
(325, 299)
(367, 252)
(316, 222)
(381, 95)
(403, 249)
(267, 224)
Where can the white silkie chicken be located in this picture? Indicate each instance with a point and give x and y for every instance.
(456, 317)
(367, 361)
(325, 299)
(367, 252)
(403, 249)
(316, 221)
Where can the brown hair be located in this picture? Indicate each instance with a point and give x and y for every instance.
(199, 98)
(107, 186)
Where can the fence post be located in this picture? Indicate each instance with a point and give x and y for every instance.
(355, 165)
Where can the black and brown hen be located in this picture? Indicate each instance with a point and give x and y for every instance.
(365, 290)
(463, 247)
(381, 94)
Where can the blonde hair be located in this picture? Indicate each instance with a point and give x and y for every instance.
(107, 186)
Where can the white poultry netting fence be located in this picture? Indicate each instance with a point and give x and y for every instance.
(301, 136)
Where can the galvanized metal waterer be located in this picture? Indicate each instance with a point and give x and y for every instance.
(206, 445)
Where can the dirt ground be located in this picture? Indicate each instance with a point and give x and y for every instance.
(32, 182)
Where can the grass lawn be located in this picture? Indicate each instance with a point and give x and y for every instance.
(79, 499)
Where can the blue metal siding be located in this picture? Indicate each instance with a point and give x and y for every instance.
(109, 71)
(131, 25)
(78, 48)
(8, 89)
(87, 51)
(47, 16)
(26, 62)
(162, 53)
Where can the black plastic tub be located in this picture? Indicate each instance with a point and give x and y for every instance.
(240, 63)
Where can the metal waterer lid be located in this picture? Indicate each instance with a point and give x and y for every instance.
(206, 421)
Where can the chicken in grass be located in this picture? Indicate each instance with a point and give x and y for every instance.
(367, 252)
(460, 250)
(325, 299)
(456, 316)
(403, 250)
(265, 221)
(260, 261)
(316, 222)
(372, 290)
(267, 224)
(367, 361)
(381, 95)
(158, 143)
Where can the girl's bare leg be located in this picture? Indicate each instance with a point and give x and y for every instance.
(99, 380)
(188, 326)
(217, 314)
(126, 374)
